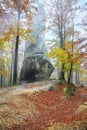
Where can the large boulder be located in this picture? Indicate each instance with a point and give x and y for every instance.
(36, 68)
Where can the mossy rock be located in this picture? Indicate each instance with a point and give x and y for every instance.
(70, 90)
(41, 77)
(52, 88)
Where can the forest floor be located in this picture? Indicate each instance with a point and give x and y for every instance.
(33, 107)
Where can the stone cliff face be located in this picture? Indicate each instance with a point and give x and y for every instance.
(35, 65)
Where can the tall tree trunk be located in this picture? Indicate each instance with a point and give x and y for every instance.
(16, 60)
(62, 38)
(1, 76)
(1, 80)
(72, 39)
(62, 74)
(11, 68)
(15, 75)
(77, 78)
(70, 74)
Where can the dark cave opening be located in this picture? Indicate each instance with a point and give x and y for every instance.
(30, 76)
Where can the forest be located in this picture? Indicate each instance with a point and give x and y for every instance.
(43, 64)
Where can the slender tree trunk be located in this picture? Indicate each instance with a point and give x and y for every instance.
(1, 80)
(15, 75)
(62, 74)
(77, 78)
(71, 64)
(1, 77)
(62, 38)
(16, 60)
(11, 69)
(70, 74)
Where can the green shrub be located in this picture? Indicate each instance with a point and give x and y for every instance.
(51, 88)
(60, 82)
(14, 85)
(70, 90)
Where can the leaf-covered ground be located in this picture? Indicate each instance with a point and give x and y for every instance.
(23, 109)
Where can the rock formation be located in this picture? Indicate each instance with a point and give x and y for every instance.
(36, 66)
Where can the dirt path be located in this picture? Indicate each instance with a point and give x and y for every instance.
(29, 87)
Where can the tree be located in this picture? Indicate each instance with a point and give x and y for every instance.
(4, 59)
(62, 23)
(21, 6)
(16, 44)
(15, 29)
(67, 57)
